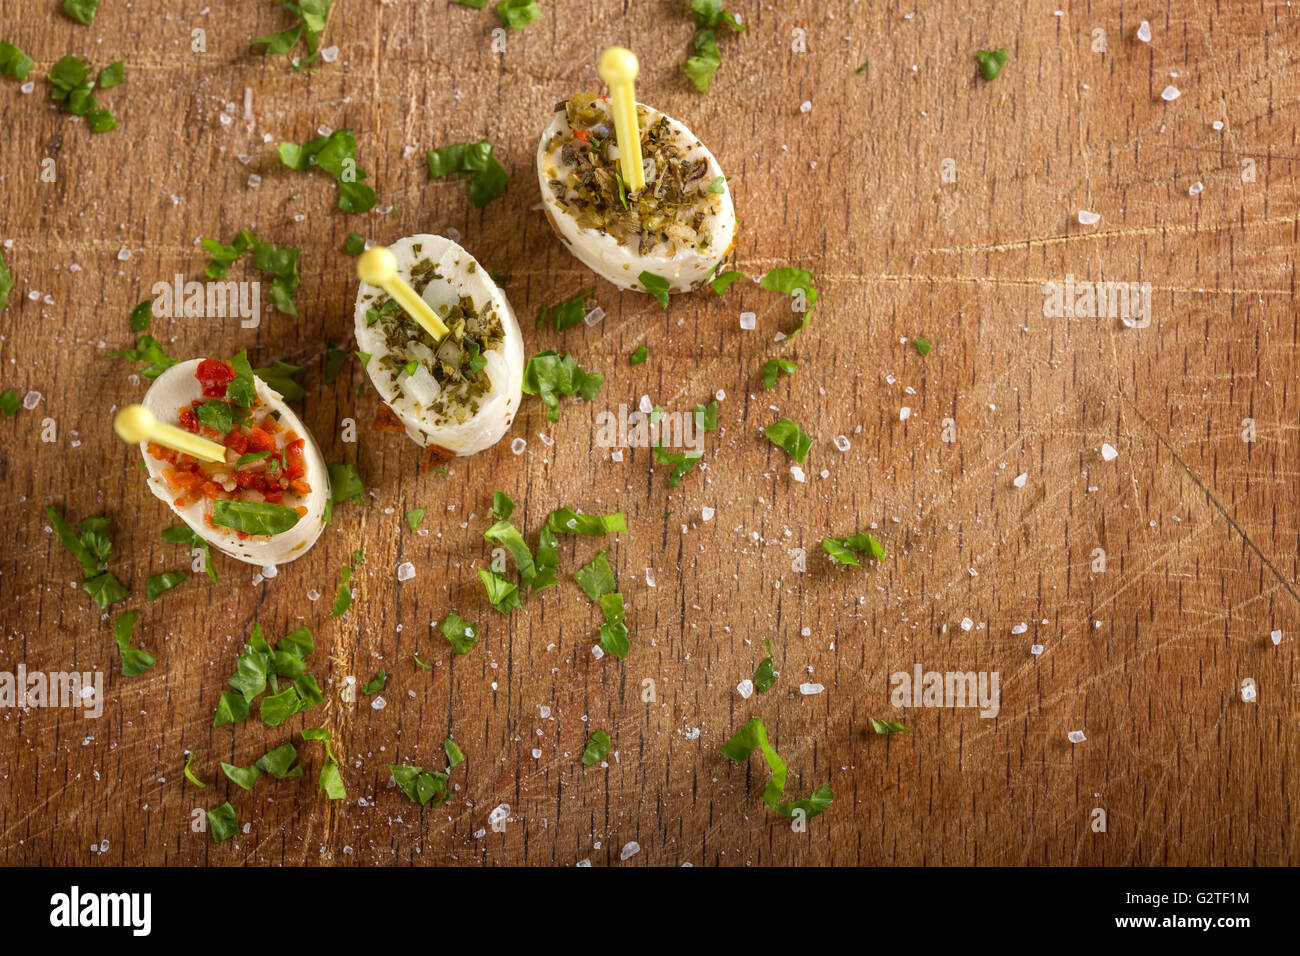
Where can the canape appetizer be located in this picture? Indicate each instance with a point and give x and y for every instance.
(454, 377)
(679, 226)
(253, 483)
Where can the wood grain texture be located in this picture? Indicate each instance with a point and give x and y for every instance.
(1199, 527)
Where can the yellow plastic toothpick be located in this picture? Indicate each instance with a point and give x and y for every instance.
(618, 67)
(378, 267)
(135, 423)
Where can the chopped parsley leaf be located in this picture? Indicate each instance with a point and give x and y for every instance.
(597, 748)
(923, 345)
(223, 822)
(640, 355)
(789, 436)
(459, 632)
(549, 375)
(414, 518)
(657, 286)
(841, 550)
(517, 14)
(160, 583)
(753, 735)
(478, 161)
(991, 62)
(134, 661)
(888, 727)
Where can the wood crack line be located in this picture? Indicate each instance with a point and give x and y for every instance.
(1286, 585)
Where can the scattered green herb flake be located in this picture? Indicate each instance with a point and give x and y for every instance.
(721, 283)
(991, 62)
(10, 403)
(331, 781)
(421, 785)
(355, 244)
(277, 708)
(704, 62)
(765, 675)
(657, 286)
(335, 359)
(719, 185)
(517, 14)
(798, 284)
(640, 355)
(376, 683)
(546, 564)
(454, 754)
(596, 577)
(568, 313)
(184, 534)
(923, 345)
(189, 774)
(775, 367)
(568, 521)
(787, 435)
(232, 708)
(141, 316)
(280, 376)
(476, 4)
(14, 63)
(254, 517)
(459, 632)
(216, 414)
(337, 155)
(112, 75)
(501, 594)
(83, 11)
(6, 283)
(888, 727)
(706, 416)
(160, 583)
(502, 506)
(753, 735)
(149, 351)
(613, 633)
(345, 483)
(223, 822)
(414, 518)
(478, 161)
(243, 777)
(507, 535)
(863, 67)
(134, 661)
(421, 664)
(550, 376)
(682, 462)
(597, 748)
(841, 550)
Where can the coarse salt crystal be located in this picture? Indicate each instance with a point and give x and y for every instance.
(1076, 736)
(1035, 648)
(31, 400)
(745, 688)
(809, 689)
(537, 753)
(646, 406)
(630, 849)
(1277, 637)
(707, 513)
(270, 571)
(1217, 125)
(123, 254)
(1088, 218)
(499, 814)
(720, 395)
(904, 413)
(842, 442)
(967, 624)
(1020, 628)
(594, 316)
(379, 703)
(748, 320)
(805, 106)
(1195, 188)
(313, 595)
(1020, 479)
(405, 571)
(1248, 689)
(1108, 453)
(1170, 93)
(254, 180)
(797, 473)
(650, 577)
(517, 446)
(597, 651)
(329, 54)
(1144, 32)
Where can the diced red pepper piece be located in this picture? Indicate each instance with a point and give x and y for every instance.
(213, 376)
(295, 466)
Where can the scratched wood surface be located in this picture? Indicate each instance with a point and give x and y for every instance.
(1147, 657)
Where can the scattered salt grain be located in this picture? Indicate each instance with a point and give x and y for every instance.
(967, 624)
(720, 395)
(904, 413)
(748, 320)
(1248, 690)
(1088, 218)
(1020, 628)
(1108, 453)
(1170, 93)
(809, 689)
(594, 316)
(405, 571)
(597, 651)
(517, 446)
(254, 180)
(28, 87)
(805, 106)
(123, 254)
(1195, 188)
(537, 753)
(329, 54)
(499, 815)
(1217, 125)
(379, 703)
(31, 400)
(1020, 479)
(707, 513)
(650, 577)
(1277, 638)
(1144, 32)
(313, 595)
(1076, 737)
(797, 473)
(630, 849)
(270, 571)
(842, 442)
(745, 688)
(1035, 649)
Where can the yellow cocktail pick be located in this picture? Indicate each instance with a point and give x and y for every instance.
(378, 267)
(135, 423)
(618, 67)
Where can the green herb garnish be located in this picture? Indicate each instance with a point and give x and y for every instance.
(639, 356)
(568, 521)
(91, 546)
(517, 14)
(160, 583)
(775, 367)
(789, 436)
(337, 155)
(83, 11)
(550, 375)
(459, 632)
(991, 62)
(842, 550)
(376, 683)
(753, 735)
(474, 160)
(134, 661)
(253, 517)
(14, 63)
(597, 748)
(657, 286)
(223, 822)
(414, 518)
(567, 314)
(888, 727)
(765, 675)
(501, 594)
(798, 284)
(355, 244)
(922, 344)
